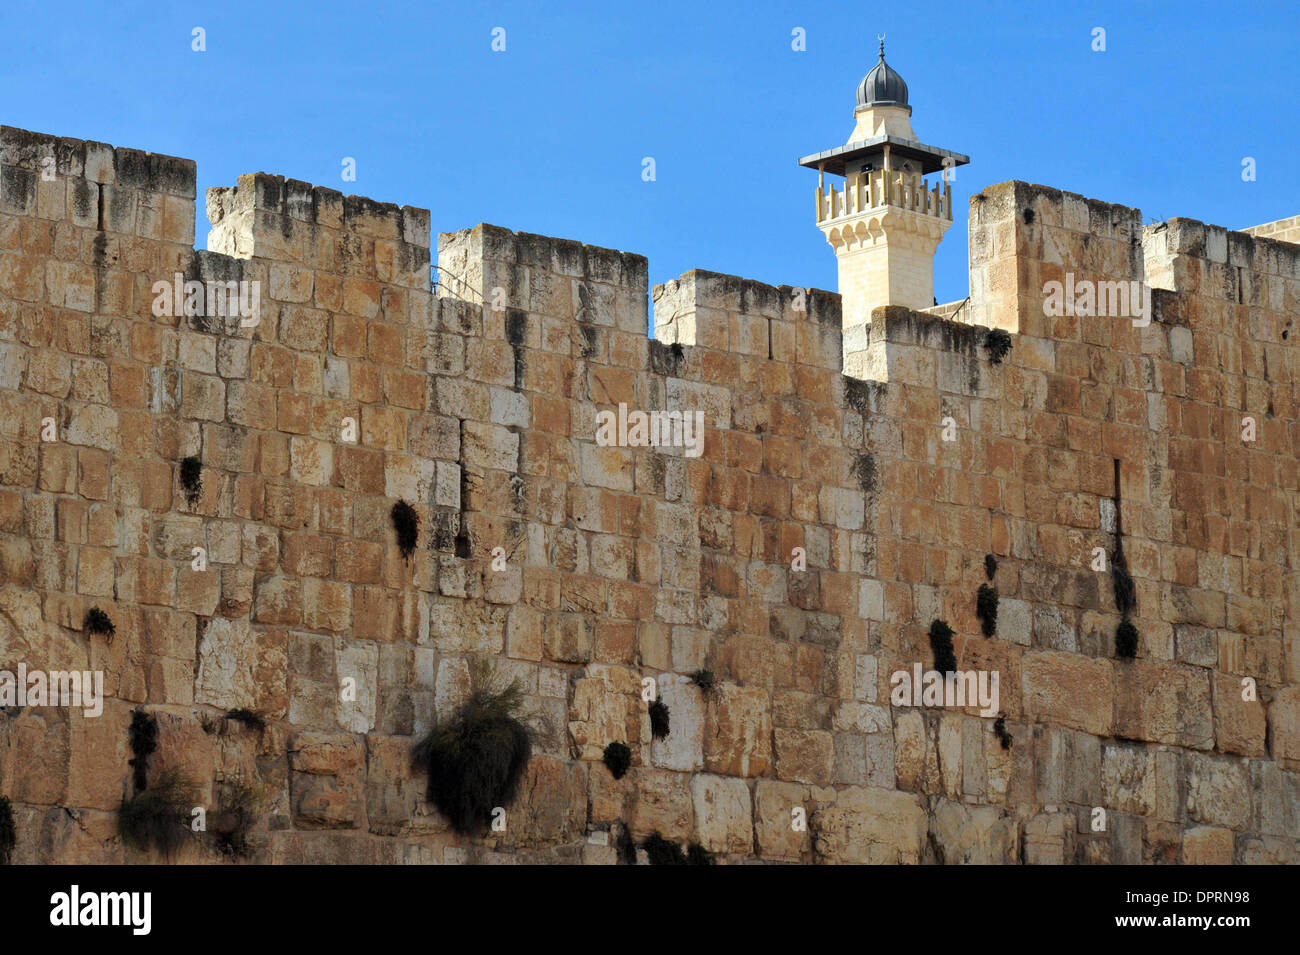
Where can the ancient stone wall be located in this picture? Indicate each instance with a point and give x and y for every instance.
(801, 557)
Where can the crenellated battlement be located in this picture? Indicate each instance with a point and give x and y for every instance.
(858, 478)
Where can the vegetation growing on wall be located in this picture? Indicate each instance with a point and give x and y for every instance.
(659, 723)
(248, 718)
(237, 807)
(617, 759)
(476, 760)
(8, 832)
(407, 524)
(997, 342)
(96, 621)
(986, 609)
(704, 679)
(1000, 731)
(945, 660)
(143, 737)
(159, 817)
(192, 479)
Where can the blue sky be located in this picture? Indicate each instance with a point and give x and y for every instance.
(549, 136)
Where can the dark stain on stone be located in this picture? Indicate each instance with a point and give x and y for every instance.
(516, 328)
(861, 395)
(666, 359)
(864, 469)
(591, 341)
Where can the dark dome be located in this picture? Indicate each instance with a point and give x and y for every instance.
(882, 86)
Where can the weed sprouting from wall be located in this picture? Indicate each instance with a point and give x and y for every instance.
(1000, 731)
(407, 524)
(704, 679)
(96, 621)
(1126, 634)
(143, 737)
(247, 718)
(659, 719)
(945, 660)
(159, 817)
(1125, 589)
(986, 609)
(624, 846)
(990, 566)
(476, 760)
(237, 806)
(192, 479)
(696, 854)
(662, 851)
(997, 342)
(1126, 640)
(8, 832)
(617, 759)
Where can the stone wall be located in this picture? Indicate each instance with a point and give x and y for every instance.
(801, 557)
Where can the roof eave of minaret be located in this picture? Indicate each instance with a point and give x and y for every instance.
(930, 157)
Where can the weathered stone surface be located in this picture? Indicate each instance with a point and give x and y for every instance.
(964, 835)
(804, 756)
(738, 731)
(1284, 726)
(1165, 704)
(683, 749)
(1045, 839)
(781, 814)
(1240, 726)
(1206, 845)
(606, 708)
(551, 806)
(1069, 690)
(1128, 778)
(1218, 791)
(395, 791)
(662, 803)
(723, 817)
(871, 826)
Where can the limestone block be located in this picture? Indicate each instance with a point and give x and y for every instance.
(1218, 791)
(804, 756)
(551, 808)
(870, 826)
(683, 748)
(1164, 703)
(606, 708)
(1284, 726)
(973, 835)
(722, 814)
(780, 833)
(738, 731)
(1069, 690)
(1240, 726)
(1128, 778)
(1207, 845)
(661, 803)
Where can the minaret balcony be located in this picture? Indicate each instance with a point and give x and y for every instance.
(866, 191)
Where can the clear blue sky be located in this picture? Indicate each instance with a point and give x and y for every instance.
(549, 136)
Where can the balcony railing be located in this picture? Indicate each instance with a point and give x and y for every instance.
(864, 191)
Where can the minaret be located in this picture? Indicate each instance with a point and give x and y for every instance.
(886, 221)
